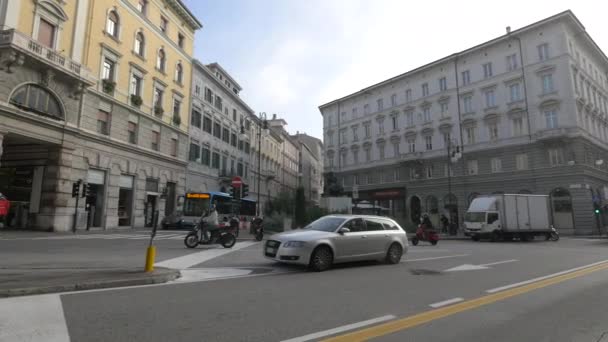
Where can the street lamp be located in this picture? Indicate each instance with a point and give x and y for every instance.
(262, 126)
(454, 153)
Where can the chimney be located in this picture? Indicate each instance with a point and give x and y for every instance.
(508, 29)
(274, 116)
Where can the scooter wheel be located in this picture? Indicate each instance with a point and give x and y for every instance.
(415, 241)
(191, 240)
(259, 237)
(228, 241)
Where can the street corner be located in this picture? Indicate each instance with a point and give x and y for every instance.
(25, 282)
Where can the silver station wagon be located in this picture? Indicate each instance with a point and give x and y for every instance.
(339, 238)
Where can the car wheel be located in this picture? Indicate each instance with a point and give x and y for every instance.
(321, 259)
(394, 254)
(475, 237)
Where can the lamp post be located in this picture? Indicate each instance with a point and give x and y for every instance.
(454, 153)
(262, 126)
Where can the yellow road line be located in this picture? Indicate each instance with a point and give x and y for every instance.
(428, 316)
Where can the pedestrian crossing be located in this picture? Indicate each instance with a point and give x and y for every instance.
(105, 236)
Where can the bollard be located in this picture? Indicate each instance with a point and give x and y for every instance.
(150, 256)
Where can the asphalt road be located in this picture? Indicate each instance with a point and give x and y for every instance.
(240, 296)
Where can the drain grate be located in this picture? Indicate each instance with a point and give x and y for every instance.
(421, 271)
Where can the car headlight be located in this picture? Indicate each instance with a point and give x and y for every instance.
(294, 244)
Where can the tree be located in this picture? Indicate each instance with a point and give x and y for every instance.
(300, 207)
(332, 187)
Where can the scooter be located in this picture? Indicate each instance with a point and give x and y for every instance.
(553, 235)
(223, 236)
(258, 228)
(428, 234)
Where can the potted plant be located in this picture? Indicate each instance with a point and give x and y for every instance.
(136, 100)
(108, 86)
(177, 120)
(158, 110)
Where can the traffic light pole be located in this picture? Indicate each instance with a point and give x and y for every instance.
(77, 185)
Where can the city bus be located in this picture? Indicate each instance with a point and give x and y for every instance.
(192, 205)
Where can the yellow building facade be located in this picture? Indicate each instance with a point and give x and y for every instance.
(95, 92)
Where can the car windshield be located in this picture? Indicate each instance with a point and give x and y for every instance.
(326, 224)
(475, 217)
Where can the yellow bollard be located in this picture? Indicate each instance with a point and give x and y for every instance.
(150, 255)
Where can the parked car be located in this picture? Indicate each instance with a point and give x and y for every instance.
(339, 238)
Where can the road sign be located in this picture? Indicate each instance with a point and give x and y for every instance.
(355, 192)
(237, 182)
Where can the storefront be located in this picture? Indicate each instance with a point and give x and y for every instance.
(125, 200)
(22, 186)
(96, 180)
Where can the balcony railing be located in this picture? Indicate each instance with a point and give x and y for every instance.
(30, 47)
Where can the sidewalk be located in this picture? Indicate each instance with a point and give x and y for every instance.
(28, 281)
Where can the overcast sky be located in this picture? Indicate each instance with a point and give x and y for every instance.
(292, 56)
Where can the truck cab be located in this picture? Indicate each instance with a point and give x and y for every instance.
(481, 222)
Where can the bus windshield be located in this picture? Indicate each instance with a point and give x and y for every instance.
(195, 206)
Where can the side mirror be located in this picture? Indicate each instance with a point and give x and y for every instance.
(343, 230)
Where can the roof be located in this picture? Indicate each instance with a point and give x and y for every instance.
(185, 13)
(216, 65)
(567, 14)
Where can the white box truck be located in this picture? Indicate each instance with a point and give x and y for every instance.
(508, 216)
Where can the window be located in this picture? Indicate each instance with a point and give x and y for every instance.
(330, 138)
(46, 33)
(164, 24)
(428, 141)
(239, 169)
(356, 157)
(493, 131)
(518, 126)
(155, 141)
(367, 130)
(443, 84)
(174, 146)
(547, 83)
(108, 69)
(408, 95)
(233, 139)
(355, 133)
(512, 62)
(179, 73)
(234, 115)
(468, 104)
(394, 100)
(103, 122)
(226, 135)
(521, 161)
(381, 151)
(136, 81)
(132, 132)
(366, 109)
(139, 44)
(515, 92)
(208, 95)
(34, 98)
(217, 130)
(446, 139)
(466, 77)
(380, 126)
(429, 171)
(196, 119)
(180, 40)
(394, 121)
(490, 99)
(380, 104)
(368, 154)
(195, 151)
(543, 52)
(427, 114)
(425, 89)
(472, 167)
(161, 60)
(205, 156)
(112, 24)
(396, 149)
(354, 113)
(215, 160)
(142, 6)
(487, 70)
(470, 135)
(409, 116)
(496, 165)
(555, 156)
(218, 103)
(177, 105)
(158, 97)
(343, 137)
(551, 118)
(444, 109)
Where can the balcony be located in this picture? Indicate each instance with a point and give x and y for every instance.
(26, 47)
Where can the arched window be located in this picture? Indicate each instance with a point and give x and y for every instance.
(113, 24)
(34, 98)
(161, 60)
(179, 73)
(139, 44)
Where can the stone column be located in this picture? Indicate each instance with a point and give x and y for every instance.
(1, 145)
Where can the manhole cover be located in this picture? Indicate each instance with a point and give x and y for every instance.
(420, 271)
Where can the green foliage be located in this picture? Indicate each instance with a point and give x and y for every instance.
(300, 204)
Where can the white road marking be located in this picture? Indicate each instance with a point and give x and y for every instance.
(202, 274)
(436, 258)
(506, 287)
(190, 260)
(446, 302)
(469, 267)
(499, 262)
(338, 330)
(33, 318)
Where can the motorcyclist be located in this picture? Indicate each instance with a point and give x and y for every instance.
(425, 225)
(211, 220)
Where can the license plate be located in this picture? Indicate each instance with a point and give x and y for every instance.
(269, 250)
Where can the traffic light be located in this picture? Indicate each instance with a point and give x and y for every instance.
(86, 190)
(75, 189)
(245, 190)
(233, 192)
(596, 208)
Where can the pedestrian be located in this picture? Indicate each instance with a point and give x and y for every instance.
(444, 223)
(5, 206)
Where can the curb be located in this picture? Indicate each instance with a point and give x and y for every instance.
(165, 275)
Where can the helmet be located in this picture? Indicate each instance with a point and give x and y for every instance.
(212, 208)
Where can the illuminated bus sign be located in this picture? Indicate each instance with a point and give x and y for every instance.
(203, 196)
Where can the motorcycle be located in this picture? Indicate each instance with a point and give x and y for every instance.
(425, 234)
(553, 235)
(224, 236)
(258, 228)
